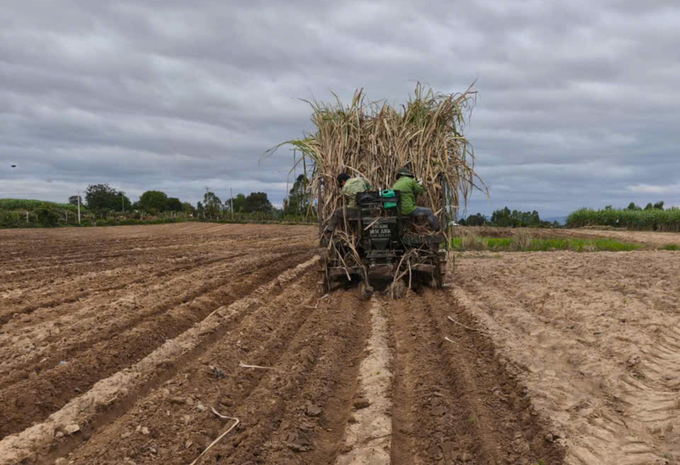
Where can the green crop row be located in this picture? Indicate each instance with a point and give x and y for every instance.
(512, 244)
(648, 220)
(31, 205)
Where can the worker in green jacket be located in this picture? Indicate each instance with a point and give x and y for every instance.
(350, 187)
(409, 189)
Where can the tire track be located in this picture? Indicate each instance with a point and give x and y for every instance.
(453, 401)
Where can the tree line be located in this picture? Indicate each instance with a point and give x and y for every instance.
(104, 199)
(506, 218)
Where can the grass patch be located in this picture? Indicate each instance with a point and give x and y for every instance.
(671, 247)
(510, 244)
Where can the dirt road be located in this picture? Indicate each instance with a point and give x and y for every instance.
(130, 345)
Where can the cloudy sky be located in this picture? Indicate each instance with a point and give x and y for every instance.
(578, 103)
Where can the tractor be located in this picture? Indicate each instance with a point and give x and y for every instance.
(377, 243)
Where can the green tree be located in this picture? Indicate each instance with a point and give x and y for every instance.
(102, 197)
(153, 201)
(73, 200)
(47, 217)
(649, 206)
(632, 206)
(658, 205)
(188, 208)
(173, 204)
(298, 200)
(257, 202)
(475, 220)
(238, 201)
(515, 219)
(211, 203)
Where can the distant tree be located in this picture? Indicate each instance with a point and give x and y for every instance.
(47, 217)
(188, 208)
(515, 219)
(649, 206)
(609, 207)
(153, 201)
(299, 198)
(173, 204)
(632, 206)
(211, 203)
(475, 220)
(73, 200)
(102, 197)
(200, 209)
(659, 205)
(239, 202)
(257, 202)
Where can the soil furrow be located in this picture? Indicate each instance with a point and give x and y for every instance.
(114, 396)
(106, 317)
(453, 400)
(89, 362)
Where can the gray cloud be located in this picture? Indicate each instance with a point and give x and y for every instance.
(577, 100)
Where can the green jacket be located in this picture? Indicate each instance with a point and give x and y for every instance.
(351, 188)
(409, 188)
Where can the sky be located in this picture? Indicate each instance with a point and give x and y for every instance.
(578, 102)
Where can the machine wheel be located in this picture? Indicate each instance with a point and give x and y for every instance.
(365, 290)
(399, 289)
(437, 281)
(324, 285)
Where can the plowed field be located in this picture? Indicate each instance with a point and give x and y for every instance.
(141, 345)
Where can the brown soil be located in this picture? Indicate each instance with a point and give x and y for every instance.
(594, 338)
(454, 402)
(652, 239)
(154, 323)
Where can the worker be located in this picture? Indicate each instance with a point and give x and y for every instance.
(350, 187)
(409, 189)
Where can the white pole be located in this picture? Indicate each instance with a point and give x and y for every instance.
(231, 198)
(26, 216)
(78, 207)
(122, 201)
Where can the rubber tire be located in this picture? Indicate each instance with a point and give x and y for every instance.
(365, 291)
(399, 289)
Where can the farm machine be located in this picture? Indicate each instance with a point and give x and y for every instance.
(376, 243)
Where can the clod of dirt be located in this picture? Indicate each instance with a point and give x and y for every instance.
(361, 403)
(177, 400)
(201, 408)
(296, 443)
(126, 435)
(313, 410)
(296, 447)
(144, 430)
(60, 461)
(72, 429)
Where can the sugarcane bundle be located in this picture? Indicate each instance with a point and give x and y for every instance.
(374, 140)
